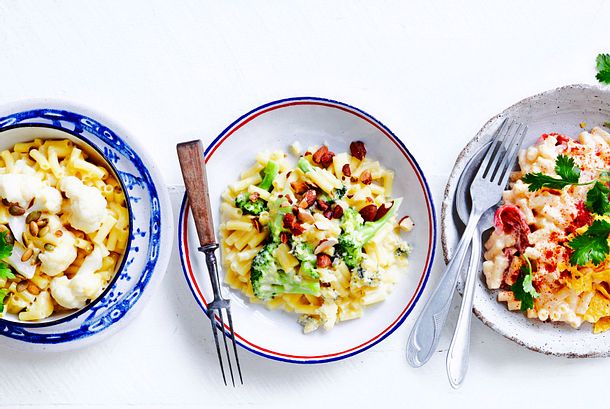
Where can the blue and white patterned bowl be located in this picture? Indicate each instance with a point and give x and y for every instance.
(151, 226)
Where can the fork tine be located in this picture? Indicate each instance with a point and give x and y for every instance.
(514, 146)
(490, 151)
(501, 152)
(234, 345)
(224, 337)
(212, 317)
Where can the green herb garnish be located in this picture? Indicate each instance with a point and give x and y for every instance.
(597, 199)
(592, 245)
(565, 167)
(523, 289)
(603, 68)
(3, 293)
(5, 251)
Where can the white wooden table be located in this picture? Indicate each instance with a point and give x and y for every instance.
(433, 71)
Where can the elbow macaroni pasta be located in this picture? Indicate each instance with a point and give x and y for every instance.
(43, 236)
(567, 293)
(344, 292)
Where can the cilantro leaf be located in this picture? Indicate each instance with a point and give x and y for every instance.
(603, 68)
(3, 293)
(5, 271)
(565, 167)
(5, 248)
(523, 288)
(592, 245)
(597, 199)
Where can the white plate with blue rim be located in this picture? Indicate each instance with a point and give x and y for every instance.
(151, 225)
(312, 121)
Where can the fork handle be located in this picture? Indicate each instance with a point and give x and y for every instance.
(459, 350)
(192, 163)
(426, 332)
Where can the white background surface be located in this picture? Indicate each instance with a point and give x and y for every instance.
(433, 71)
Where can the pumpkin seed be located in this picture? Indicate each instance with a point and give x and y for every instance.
(49, 247)
(43, 232)
(16, 210)
(34, 229)
(43, 222)
(34, 216)
(33, 289)
(27, 255)
(24, 239)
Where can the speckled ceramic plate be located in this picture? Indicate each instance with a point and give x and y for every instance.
(151, 224)
(559, 110)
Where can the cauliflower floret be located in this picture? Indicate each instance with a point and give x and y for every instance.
(85, 285)
(42, 307)
(87, 205)
(56, 261)
(22, 188)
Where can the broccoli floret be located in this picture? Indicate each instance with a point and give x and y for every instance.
(355, 234)
(269, 174)
(303, 251)
(248, 206)
(304, 165)
(268, 280)
(339, 193)
(276, 219)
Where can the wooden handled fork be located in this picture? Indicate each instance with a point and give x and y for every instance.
(192, 163)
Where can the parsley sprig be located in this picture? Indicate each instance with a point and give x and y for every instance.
(569, 175)
(523, 288)
(6, 249)
(592, 245)
(603, 68)
(3, 293)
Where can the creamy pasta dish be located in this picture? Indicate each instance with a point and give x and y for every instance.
(319, 238)
(549, 252)
(64, 226)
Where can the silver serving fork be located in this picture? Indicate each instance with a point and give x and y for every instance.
(192, 163)
(486, 191)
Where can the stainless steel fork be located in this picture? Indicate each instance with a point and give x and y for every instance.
(192, 163)
(486, 191)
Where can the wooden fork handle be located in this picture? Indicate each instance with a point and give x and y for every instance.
(192, 163)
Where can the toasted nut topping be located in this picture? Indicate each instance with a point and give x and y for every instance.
(297, 229)
(26, 255)
(357, 149)
(317, 156)
(325, 245)
(43, 222)
(33, 228)
(406, 223)
(16, 210)
(347, 171)
(305, 217)
(321, 204)
(383, 209)
(33, 289)
(22, 286)
(34, 216)
(327, 159)
(309, 198)
(49, 247)
(323, 260)
(299, 187)
(257, 224)
(284, 237)
(328, 213)
(353, 179)
(289, 220)
(366, 178)
(337, 212)
(43, 231)
(368, 213)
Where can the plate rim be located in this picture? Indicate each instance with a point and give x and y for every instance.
(261, 109)
(446, 215)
